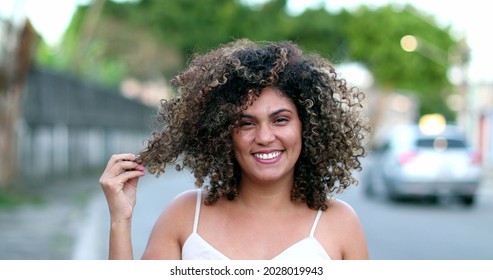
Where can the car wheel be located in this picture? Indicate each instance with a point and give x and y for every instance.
(467, 200)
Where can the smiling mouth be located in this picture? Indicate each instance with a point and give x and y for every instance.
(268, 155)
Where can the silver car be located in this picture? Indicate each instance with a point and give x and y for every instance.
(412, 164)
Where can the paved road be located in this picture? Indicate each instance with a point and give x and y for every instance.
(419, 230)
(153, 196)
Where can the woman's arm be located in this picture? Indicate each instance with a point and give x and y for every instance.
(120, 240)
(119, 182)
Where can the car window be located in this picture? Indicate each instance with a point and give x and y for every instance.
(431, 142)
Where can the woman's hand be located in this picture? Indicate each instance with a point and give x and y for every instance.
(119, 182)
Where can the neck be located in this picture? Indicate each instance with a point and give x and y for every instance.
(266, 196)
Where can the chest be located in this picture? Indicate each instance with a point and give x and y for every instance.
(260, 236)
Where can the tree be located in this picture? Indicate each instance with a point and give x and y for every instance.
(318, 30)
(375, 41)
(152, 37)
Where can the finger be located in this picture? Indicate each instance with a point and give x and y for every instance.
(119, 157)
(131, 175)
(118, 181)
(118, 165)
(124, 166)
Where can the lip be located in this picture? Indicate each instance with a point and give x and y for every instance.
(266, 157)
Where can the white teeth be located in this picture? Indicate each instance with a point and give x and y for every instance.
(267, 156)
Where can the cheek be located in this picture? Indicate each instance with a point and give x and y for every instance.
(298, 144)
(243, 137)
(298, 139)
(239, 141)
(297, 132)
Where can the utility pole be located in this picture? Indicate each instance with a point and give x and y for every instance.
(14, 65)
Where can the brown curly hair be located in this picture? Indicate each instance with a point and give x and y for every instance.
(197, 124)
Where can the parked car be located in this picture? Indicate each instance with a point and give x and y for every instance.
(414, 164)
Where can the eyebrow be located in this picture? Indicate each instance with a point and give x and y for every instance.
(282, 110)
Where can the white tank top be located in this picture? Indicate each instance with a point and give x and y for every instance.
(197, 248)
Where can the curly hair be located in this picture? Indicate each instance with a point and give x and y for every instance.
(196, 126)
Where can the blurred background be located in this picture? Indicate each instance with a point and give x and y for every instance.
(81, 80)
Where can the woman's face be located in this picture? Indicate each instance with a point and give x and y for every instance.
(268, 141)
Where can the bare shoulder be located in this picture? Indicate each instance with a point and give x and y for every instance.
(342, 228)
(341, 215)
(340, 208)
(184, 201)
(172, 227)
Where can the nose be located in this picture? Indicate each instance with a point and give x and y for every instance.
(265, 135)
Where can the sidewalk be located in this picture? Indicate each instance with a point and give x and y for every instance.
(47, 230)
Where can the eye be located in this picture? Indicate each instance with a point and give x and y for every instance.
(246, 123)
(281, 120)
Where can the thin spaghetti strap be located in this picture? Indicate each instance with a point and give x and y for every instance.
(197, 210)
(315, 223)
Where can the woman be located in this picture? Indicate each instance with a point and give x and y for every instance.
(270, 135)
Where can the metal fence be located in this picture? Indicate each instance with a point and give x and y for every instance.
(71, 126)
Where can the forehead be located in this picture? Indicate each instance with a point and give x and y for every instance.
(271, 99)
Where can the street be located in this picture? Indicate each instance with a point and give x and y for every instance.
(395, 231)
(423, 231)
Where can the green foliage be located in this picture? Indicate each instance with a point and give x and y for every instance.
(150, 38)
(191, 25)
(317, 30)
(375, 41)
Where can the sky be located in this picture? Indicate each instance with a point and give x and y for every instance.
(470, 19)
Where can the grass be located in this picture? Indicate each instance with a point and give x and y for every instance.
(12, 196)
